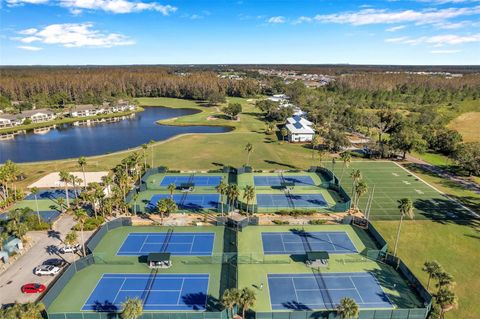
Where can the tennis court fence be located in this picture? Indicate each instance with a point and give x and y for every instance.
(145, 315)
(420, 313)
(102, 231)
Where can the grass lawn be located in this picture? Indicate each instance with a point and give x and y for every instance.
(467, 125)
(453, 245)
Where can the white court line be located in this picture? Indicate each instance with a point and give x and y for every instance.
(453, 200)
(358, 291)
(294, 289)
(120, 289)
(181, 289)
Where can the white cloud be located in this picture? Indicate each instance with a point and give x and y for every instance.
(277, 20)
(28, 31)
(74, 35)
(29, 48)
(21, 2)
(118, 6)
(393, 29)
(437, 40)
(303, 19)
(454, 25)
(445, 51)
(383, 16)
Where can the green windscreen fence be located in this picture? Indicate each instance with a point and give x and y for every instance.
(364, 314)
(145, 315)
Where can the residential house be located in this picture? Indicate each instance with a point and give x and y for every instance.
(38, 116)
(299, 129)
(84, 110)
(10, 120)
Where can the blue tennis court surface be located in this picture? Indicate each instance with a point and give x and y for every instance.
(292, 200)
(48, 216)
(278, 180)
(189, 201)
(211, 180)
(51, 194)
(160, 292)
(315, 291)
(180, 244)
(299, 242)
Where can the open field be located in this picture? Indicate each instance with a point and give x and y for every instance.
(467, 125)
(454, 245)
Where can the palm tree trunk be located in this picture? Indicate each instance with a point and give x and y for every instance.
(398, 236)
(84, 177)
(429, 279)
(38, 213)
(66, 195)
(221, 203)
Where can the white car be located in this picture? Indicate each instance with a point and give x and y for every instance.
(70, 249)
(46, 270)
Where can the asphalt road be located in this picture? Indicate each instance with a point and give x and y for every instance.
(20, 271)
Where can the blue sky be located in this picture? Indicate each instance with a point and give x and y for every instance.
(239, 31)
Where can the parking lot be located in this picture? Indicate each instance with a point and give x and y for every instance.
(20, 271)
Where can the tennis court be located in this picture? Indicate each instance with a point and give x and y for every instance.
(199, 181)
(48, 216)
(180, 244)
(158, 292)
(189, 201)
(324, 291)
(277, 181)
(51, 194)
(299, 242)
(291, 200)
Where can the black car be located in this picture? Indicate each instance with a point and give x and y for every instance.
(57, 262)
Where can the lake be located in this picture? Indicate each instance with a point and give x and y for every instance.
(73, 141)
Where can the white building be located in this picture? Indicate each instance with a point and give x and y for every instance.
(299, 129)
(9, 120)
(38, 116)
(84, 110)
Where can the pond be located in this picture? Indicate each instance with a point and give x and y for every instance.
(75, 140)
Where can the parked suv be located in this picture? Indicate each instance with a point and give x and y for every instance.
(57, 262)
(46, 270)
(69, 249)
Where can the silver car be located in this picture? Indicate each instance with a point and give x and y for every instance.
(46, 270)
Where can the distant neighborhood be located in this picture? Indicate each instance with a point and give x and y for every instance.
(46, 115)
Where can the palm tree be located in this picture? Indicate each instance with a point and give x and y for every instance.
(248, 195)
(284, 133)
(144, 149)
(432, 268)
(171, 188)
(82, 162)
(221, 189)
(30, 310)
(232, 193)
(249, 148)
(166, 206)
(334, 162)
(34, 191)
(314, 144)
(81, 217)
(346, 158)
(356, 176)
(230, 299)
(348, 308)
(65, 178)
(446, 299)
(406, 210)
(132, 308)
(71, 238)
(151, 143)
(444, 280)
(247, 299)
(360, 189)
(107, 181)
(135, 199)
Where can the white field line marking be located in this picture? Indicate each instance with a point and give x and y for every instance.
(450, 198)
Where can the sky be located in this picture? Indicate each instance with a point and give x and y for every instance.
(78, 32)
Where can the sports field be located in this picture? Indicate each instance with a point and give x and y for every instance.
(285, 190)
(393, 183)
(202, 198)
(187, 286)
(283, 282)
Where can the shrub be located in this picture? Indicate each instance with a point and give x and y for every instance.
(280, 222)
(317, 222)
(91, 223)
(32, 223)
